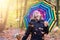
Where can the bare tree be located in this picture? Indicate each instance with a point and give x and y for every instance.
(2, 25)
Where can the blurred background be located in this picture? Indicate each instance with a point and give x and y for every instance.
(12, 12)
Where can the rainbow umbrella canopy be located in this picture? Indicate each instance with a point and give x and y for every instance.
(45, 10)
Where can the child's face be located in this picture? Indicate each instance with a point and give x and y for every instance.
(37, 15)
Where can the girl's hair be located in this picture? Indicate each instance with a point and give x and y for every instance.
(36, 14)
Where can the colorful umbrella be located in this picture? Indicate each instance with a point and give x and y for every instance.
(45, 10)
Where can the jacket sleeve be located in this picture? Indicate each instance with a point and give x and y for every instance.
(46, 30)
(28, 31)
